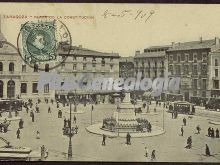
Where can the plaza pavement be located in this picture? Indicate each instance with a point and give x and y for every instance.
(87, 147)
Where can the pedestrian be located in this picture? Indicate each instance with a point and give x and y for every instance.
(21, 122)
(38, 135)
(213, 133)
(32, 115)
(47, 153)
(209, 131)
(1, 127)
(149, 127)
(217, 133)
(182, 131)
(92, 108)
(153, 156)
(65, 121)
(172, 114)
(184, 121)
(103, 139)
(155, 110)
(49, 111)
(0, 114)
(18, 133)
(42, 152)
(146, 152)
(5, 129)
(69, 123)
(27, 109)
(189, 142)
(128, 139)
(74, 119)
(198, 129)
(207, 151)
(76, 129)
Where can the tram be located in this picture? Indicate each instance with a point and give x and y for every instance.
(7, 105)
(182, 107)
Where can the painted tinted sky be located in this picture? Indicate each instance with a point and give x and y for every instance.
(169, 23)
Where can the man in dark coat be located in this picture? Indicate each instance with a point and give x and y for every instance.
(18, 133)
(184, 121)
(207, 151)
(21, 122)
(128, 139)
(189, 142)
(213, 133)
(65, 121)
(209, 131)
(103, 139)
(182, 131)
(217, 133)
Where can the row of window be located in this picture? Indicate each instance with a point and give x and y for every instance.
(187, 57)
(10, 67)
(149, 63)
(186, 69)
(84, 58)
(84, 66)
(156, 73)
(195, 83)
(34, 88)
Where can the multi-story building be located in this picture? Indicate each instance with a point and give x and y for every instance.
(152, 62)
(18, 79)
(81, 60)
(192, 63)
(126, 67)
(214, 77)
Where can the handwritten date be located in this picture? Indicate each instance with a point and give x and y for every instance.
(139, 14)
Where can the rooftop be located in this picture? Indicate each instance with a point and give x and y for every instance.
(203, 44)
(7, 48)
(78, 50)
(151, 54)
(126, 59)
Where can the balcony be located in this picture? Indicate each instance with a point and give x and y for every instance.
(215, 78)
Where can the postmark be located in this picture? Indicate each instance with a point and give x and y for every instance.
(44, 43)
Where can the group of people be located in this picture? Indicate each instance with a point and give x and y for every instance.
(153, 154)
(213, 133)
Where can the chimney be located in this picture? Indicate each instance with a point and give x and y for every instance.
(216, 41)
(200, 39)
(173, 44)
(80, 46)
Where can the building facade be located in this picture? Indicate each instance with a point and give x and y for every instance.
(17, 79)
(152, 62)
(214, 77)
(126, 67)
(81, 60)
(192, 63)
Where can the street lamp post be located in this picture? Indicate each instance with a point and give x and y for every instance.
(163, 116)
(91, 115)
(70, 135)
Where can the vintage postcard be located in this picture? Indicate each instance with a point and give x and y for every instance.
(109, 82)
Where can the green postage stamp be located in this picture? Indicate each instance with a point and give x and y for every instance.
(39, 42)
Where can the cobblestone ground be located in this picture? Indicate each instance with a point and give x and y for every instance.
(87, 146)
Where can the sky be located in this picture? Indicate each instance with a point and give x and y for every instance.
(124, 35)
